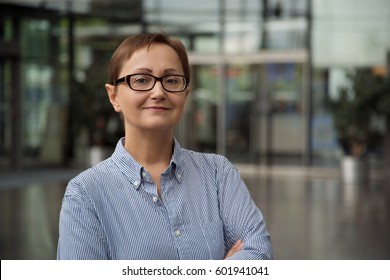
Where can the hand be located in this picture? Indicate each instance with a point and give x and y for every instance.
(235, 248)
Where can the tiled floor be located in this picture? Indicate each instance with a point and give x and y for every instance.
(308, 218)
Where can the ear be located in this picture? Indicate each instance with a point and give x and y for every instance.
(113, 96)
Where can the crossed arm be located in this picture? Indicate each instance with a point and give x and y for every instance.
(243, 221)
(234, 249)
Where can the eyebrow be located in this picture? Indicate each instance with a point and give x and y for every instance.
(166, 71)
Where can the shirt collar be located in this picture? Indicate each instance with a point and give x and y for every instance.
(133, 170)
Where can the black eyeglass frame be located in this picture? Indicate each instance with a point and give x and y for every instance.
(160, 79)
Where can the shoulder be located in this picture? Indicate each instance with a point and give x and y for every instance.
(100, 170)
(213, 161)
(202, 157)
(93, 177)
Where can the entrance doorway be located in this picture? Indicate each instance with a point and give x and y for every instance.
(251, 111)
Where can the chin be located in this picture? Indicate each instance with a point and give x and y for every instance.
(160, 126)
(153, 124)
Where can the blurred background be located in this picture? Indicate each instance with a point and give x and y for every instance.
(296, 93)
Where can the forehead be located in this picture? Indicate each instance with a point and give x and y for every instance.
(156, 58)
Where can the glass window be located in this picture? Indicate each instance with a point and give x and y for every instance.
(5, 111)
(350, 33)
(43, 108)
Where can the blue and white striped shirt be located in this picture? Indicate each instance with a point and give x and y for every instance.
(112, 211)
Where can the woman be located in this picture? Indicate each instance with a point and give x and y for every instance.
(153, 199)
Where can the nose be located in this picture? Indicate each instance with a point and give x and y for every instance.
(158, 92)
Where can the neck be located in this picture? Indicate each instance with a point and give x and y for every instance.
(149, 147)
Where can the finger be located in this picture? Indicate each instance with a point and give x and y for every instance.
(238, 245)
(235, 248)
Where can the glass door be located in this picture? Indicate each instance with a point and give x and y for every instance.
(286, 116)
(250, 111)
(240, 107)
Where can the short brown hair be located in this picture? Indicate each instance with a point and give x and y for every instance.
(135, 42)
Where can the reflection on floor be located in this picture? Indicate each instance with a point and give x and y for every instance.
(307, 218)
(29, 221)
(322, 219)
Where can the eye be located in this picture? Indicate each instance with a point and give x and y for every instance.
(172, 80)
(141, 79)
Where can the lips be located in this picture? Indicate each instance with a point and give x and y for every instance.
(157, 108)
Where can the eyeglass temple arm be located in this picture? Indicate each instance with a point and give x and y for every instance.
(121, 80)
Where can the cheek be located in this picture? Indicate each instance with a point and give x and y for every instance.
(126, 101)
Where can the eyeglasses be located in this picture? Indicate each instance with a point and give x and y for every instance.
(145, 82)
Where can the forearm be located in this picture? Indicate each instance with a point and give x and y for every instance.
(262, 251)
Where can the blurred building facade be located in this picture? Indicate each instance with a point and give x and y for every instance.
(261, 70)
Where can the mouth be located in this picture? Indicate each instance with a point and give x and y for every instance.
(157, 108)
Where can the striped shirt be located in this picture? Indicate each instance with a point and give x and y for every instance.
(113, 211)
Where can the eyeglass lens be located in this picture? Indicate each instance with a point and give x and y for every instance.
(144, 82)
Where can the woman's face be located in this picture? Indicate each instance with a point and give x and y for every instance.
(155, 109)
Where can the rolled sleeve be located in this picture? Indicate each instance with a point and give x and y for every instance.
(242, 218)
(80, 232)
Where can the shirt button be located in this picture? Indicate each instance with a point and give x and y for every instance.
(136, 183)
(177, 233)
(143, 174)
(178, 176)
(155, 198)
